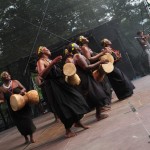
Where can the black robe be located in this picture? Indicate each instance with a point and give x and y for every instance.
(22, 118)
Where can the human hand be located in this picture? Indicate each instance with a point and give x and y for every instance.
(57, 59)
(107, 50)
(104, 61)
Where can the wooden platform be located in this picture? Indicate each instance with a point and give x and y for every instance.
(123, 130)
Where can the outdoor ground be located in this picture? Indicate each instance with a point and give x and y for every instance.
(122, 130)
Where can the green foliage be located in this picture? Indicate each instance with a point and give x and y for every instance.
(20, 21)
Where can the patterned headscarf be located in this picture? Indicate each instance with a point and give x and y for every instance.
(40, 50)
(79, 40)
(104, 42)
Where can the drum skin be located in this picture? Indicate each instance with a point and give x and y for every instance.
(108, 57)
(69, 69)
(18, 101)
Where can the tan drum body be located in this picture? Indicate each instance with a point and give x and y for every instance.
(69, 70)
(18, 101)
(100, 73)
(73, 80)
(33, 96)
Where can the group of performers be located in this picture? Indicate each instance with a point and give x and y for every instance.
(69, 102)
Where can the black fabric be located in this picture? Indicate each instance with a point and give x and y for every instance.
(122, 86)
(65, 101)
(22, 118)
(92, 91)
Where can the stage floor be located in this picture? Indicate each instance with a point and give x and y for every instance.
(122, 130)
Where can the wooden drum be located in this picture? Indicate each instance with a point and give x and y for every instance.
(18, 101)
(107, 56)
(71, 77)
(100, 73)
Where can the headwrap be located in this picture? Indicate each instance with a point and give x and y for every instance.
(66, 52)
(79, 40)
(71, 47)
(40, 50)
(104, 42)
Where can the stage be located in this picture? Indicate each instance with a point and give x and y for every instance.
(122, 130)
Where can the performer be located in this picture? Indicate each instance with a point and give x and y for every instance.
(89, 88)
(40, 82)
(67, 102)
(22, 118)
(83, 42)
(143, 41)
(122, 86)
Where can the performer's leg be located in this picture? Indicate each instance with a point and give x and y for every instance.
(32, 139)
(26, 139)
(98, 115)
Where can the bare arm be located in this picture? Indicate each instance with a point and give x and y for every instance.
(1, 97)
(80, 61)
(42, 70)
(23, 89)
(87, 54)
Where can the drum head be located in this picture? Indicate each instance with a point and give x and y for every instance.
(69, 69)
(17, 102)
(108, 68)
(108, 57)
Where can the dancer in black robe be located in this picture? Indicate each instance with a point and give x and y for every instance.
(66, 102)
(120, 83)
(22, 118)
(89, 88)
(93, 57)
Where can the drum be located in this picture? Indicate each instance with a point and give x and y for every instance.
(71, 77)
(73, 80)
(103, 69)
(69, 69)
(18, 101)
(107, 56)
(32, 97)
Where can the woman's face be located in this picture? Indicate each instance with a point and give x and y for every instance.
(46, 51)
(85, 40)
(6, 77)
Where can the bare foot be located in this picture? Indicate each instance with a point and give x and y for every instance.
(101, 116)
(79, 124)
(26, 140)
(57, 120)
(70, 134)
(103, 109)
(32, 141)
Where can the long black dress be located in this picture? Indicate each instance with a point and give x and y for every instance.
(105, 85)
(121, 85)
(22, 118)
(92, 90)
(65, 100)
